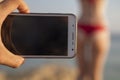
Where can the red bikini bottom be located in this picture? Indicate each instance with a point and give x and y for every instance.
(89, 29)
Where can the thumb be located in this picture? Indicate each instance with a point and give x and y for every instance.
(9, 59)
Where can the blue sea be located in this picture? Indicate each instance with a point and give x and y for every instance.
(112, 67)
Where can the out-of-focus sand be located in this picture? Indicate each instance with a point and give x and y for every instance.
(3, 76)
(46, 72)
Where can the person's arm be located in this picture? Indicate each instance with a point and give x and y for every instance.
(6, 7)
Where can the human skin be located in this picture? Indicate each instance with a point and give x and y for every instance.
(6, 7)
(91, 66)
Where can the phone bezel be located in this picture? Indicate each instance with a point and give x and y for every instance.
(72, 34)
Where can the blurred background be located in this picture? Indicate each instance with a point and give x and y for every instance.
(66, 69)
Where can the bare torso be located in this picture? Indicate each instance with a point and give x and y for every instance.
(93, 12)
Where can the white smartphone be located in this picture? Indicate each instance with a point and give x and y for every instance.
(40, 35)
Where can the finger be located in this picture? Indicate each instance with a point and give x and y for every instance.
(7, 6)
(10, 5)
(11, 60)
(23, 8)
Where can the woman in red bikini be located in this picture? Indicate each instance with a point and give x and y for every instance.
(93, 39)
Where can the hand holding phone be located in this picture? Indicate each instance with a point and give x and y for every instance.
(6, 7)
(40, 35)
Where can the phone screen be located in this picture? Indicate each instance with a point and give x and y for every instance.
(38, 35)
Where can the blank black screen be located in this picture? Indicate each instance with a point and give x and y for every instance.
(40, 35)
